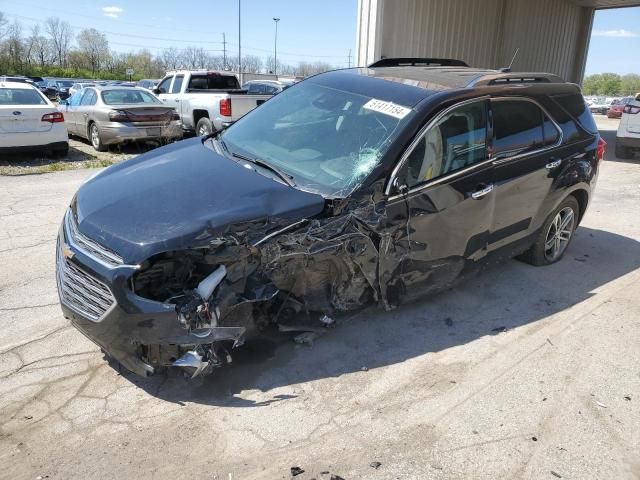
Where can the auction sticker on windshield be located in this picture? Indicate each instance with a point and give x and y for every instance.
(388, 108)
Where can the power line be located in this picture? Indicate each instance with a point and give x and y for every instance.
(190, 42)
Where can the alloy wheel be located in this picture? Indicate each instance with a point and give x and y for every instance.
(559, 234)
(95, 136)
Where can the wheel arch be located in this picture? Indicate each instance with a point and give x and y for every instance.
(582, 196)
(198, 114)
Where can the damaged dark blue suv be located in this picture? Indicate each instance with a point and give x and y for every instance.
(359, 186)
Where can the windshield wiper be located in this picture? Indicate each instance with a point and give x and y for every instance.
(288, 179)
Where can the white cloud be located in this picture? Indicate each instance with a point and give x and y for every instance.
(113, 11)
(622, 33)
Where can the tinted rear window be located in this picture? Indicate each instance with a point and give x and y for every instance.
(517, 127)
(20, 96)
(575, 106)
(127, 96)
(213, 82)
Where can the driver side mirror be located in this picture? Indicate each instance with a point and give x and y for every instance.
(399, 186)
(157, 91)
(63, 102)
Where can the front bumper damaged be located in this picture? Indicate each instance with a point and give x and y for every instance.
(138, 333)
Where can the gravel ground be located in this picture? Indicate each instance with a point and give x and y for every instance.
(81, 155)
(522, 372)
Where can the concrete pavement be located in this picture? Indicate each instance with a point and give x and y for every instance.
(521, 372)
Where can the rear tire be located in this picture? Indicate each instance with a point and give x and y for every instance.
(204, 127)
(94, 138)
(624, 153)
(556, 234)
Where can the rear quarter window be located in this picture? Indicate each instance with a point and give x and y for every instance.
(574, 105)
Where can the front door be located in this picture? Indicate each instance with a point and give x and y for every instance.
(440, 207)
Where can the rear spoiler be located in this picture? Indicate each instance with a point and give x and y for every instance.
(418, 62)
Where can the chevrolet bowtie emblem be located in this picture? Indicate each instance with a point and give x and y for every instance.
(66, 251)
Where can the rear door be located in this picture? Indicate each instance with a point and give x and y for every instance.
(441, 225)
(526, 160)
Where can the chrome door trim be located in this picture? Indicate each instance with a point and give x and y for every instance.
(506, 158)
(416, 140)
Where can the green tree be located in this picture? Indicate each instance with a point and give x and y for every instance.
(630, 84)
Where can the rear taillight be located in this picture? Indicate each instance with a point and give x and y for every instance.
(118, 116)
(55, 117)
(225, 107)
(631, 109)
(601, 149)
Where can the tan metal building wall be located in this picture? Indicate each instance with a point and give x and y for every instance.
(552, 35)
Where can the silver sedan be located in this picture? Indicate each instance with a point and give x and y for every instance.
(111, 115)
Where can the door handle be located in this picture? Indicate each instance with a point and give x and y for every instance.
(176, 100)
(478, 194)
(552, 165)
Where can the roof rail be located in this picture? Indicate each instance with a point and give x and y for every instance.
(519, 77)
(418, 62)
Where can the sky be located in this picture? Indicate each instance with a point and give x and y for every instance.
(308, 30)
(615, 42)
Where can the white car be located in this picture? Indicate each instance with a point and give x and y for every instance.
(628, 137)
(76, 87)
(29, 121)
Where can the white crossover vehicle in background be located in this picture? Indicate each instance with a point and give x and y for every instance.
(29, 121)
(628, 137)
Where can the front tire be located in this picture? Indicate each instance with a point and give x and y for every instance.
(204, 127)
(556, 234)
(94, 137)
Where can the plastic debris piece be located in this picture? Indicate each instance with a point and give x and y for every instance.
(327, 320)
(375, 465)
(600, 404)
(555, 474)
(306, 338)
(295, 471)
(627, 398)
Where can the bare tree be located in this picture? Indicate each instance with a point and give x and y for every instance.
(41, 51)
(170, 58)
(14, 44)
(94, 46)
(252, 64)
(60, 33)
(3, 25)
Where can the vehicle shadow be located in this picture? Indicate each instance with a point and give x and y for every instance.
(502, 298)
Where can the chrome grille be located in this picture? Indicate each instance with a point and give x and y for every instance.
(80, 291)
(89, 246)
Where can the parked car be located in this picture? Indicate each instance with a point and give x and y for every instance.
(148, 83)
(59, 88)
(79, 86)
(600, 105)
(207, 101)
(350, 188)
(616, 108)
(29, 121)
(112, 115)
(265, 87)
(628, 136)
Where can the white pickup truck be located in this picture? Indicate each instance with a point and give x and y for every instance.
(207, 101)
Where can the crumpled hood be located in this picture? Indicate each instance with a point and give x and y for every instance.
(180, 196)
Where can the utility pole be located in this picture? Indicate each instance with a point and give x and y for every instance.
(275, 49)
(224, 51)
(239, 43)
(349, 58)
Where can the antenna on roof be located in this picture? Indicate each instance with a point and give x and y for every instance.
(508, 69)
